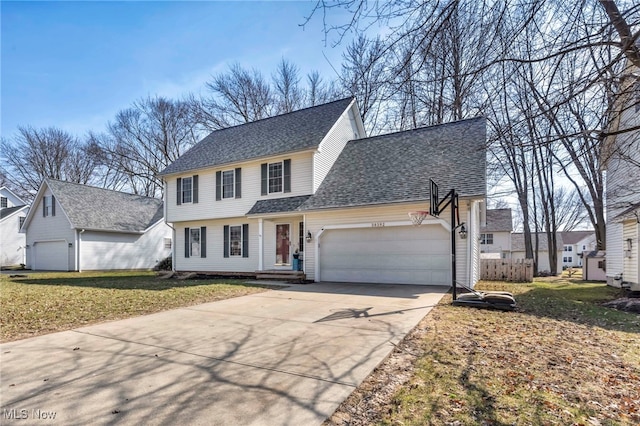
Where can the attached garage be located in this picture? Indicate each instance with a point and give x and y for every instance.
(389, 255)
(51, 256)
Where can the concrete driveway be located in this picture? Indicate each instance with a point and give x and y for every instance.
(282, 357)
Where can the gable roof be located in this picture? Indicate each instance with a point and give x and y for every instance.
(89, 207)
(6, 191)
(295, 131)
(574, 237)
(517, 241)
(396, 167)
(6, 212)
(498, 220)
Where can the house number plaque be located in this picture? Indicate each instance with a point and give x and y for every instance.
(377, 224)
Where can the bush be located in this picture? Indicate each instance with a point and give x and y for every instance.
(164, 265)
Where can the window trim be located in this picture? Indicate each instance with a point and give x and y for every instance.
(191, 233)
(484, 239)
(281, 178)
(301, 237)
(4, 202)
(231, 241)
(21, 220)
(232, 184)
(183, 192)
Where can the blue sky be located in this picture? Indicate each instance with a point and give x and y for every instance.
(73, 65)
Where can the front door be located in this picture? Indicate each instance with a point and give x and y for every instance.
(283, 244)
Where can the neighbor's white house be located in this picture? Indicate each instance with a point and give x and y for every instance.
(574, 244)
(495, 235)
(73, 227)
(518, 250)
(309, 184)
(13, 211)
(621, 160)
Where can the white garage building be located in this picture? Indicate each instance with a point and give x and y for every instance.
(74, 227)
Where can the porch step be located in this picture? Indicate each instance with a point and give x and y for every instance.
(281, 275)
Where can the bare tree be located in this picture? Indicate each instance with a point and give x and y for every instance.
(34, 154)
(286, 81)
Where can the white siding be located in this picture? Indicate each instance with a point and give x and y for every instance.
(207, 206)
(630, 260)
(110, 250)
(344, 130)
(12, 242)
(614, 250)
(12, 199)
(50, 228)
(501, 243)
(378, 216)
(215, 260)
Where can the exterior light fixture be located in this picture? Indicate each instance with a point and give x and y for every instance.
(629, 244)
(463, 232)
(309, 236)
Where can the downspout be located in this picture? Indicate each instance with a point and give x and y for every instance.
(173, 230)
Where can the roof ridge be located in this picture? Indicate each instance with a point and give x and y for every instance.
(100, 188)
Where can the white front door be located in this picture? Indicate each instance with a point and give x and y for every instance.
(283, 244)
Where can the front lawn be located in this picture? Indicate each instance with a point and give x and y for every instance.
(44, 303)
(561, 359)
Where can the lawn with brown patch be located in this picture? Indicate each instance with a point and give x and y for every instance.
(561, 359)
(45, 303)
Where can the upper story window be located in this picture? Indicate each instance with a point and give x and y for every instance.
(22, 218)
(568, 248)
(486, 238)
(3, 202)
(187, 190)
(228, 184)
(48, 206)
(276, 177)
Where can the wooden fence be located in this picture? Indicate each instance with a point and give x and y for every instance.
(519, 271)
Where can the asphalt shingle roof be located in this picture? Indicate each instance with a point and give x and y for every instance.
(278, 205)
(396, 167)
(573, 237)
(9, 211)
(498, 220)
(517, 241)
(88, 207)
(295, 131)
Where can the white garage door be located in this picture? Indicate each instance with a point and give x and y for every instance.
(392, 255)
(52, 256)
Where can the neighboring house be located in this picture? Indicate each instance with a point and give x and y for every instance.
(74, 227)
(621, 160)
(594, 266)
(574, 244)
(248, 198)
(495, 236)
(518, 249)
(13, 211)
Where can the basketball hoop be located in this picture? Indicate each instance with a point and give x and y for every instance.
(418, 216)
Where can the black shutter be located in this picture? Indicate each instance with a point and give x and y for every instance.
(287, 176)
(44, 206)
(265, 180)
(218, 185)
(245, 240)
(203, 241)
(186, 242)
(226, 241)
(179, 192)
(53, 205)
(195, 190)
(238, 182)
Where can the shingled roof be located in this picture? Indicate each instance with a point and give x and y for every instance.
(8, 211)
(498, 220)
(517, 241)
(295, 131)
(278, 205)
(396, 167)
(88, 207)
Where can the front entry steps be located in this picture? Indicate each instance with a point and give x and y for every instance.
(282, 275)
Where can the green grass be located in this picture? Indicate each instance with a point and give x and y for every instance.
(44, 303)
(561, 359)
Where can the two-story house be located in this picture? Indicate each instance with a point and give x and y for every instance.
(309, 184)
(574, 244)
(621, 160)
(495, 235)
(13, 211)
(74, 227)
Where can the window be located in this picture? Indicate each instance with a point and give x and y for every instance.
(602, 265)
(3, 202)
(48, 206)
(568, 248)
(22, 218)
(167, 243)
(187, 190)
(275, 177)
(301, 237)
(228, 184)
(235, 240)
(195, 242)
(584, 248)
(567, 259)
(486, 238)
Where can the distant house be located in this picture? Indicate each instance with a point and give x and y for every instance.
(621, 160)
(574, 243)
(495, 236)
(309, 185)
(13, 211)
(74, 227)
(518, 250)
